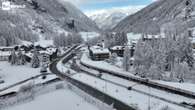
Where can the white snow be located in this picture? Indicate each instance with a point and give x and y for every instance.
(13, 74)
(106, 66)
(87, 35)
(5, 53)
(185, 86)
(140, 87)
(44, 43)
(129, 97)
(26, 43)
(59, 100)
(99, 50)
(117, 47)
(133, 38)
(103, 65)
(126, 96)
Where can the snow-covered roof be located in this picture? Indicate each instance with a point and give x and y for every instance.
(11, 47)
(26, 43)
(29, 54)
(117, 47)
(99, 50)
(51, 49)
(153, 36)
(133, 36)
(86, 35)
(96, 47)
(44, 43)
(45, 52)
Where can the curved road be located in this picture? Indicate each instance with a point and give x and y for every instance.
(86, 88)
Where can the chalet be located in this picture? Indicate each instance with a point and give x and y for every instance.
(5, 52)
(119, 50)
(4, 56)
(133, 38)
(6, 49)
(98, 54)
(26, 48)
(152, 37)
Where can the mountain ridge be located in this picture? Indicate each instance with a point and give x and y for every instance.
(151, 18)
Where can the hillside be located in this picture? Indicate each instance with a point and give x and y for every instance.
(45, 18)
(151, 18)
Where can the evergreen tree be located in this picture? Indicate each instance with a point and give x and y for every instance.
(126, 58)
(113, 58)
(35, 63)
(13, 58)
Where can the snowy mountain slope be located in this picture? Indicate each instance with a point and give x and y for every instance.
(44, 18)
(149, 19)
(107, 19)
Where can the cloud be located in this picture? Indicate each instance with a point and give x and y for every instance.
(88, 2)
(125, 9)
(154, 0)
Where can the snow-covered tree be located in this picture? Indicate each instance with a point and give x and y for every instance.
(113, 39)
(20, 58)
(120, 38)
(185, 52)
(126, 58)
(13, 58)
(2, 41)
(113, 58)
(35, 63)
(181, 70)
(66, 40)
(155, 72)
(77, 38)
(143, 55)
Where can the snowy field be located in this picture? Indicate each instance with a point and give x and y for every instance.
(86, 35)
(131, 98)
(107, 66)
(13, 74)
(119, 90)
(143, 88)
(59, 100)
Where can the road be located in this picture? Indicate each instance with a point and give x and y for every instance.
(86, 88)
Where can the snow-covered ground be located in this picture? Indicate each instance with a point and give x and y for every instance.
(117, 88)
(44, 43)
(87, 35)
(107, 66)
(13, 74)
(139, 88)
(133, 38)
(59, 100)
(131, 98)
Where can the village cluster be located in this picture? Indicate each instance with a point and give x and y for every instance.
(37, 56)
(148, 55)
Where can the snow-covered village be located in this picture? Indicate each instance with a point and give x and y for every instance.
(97, 55)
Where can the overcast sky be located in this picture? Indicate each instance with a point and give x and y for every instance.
(90, 5)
